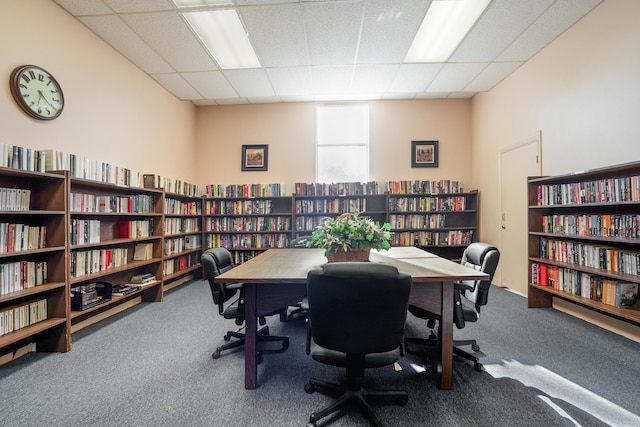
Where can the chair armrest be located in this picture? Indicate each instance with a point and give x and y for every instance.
(237, 286)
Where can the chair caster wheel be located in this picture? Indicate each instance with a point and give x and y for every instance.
(215, 355)
(475, 347)
(285, 345)
(402, 401)
(227, 337)
(311, 424)
(479, 367)
(309, 389)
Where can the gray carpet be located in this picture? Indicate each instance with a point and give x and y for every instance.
(152, 366)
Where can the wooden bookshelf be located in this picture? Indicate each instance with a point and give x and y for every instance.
(43, 211)
(443, 223)
(127, 217)
(584, 239)
(182, 246)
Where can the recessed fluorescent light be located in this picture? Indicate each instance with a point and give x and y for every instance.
(443, 28)
(224, 36)
(196, 3)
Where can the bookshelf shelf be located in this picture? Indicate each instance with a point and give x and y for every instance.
(584, 240)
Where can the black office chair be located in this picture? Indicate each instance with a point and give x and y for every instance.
(469, 296)
(357, 312)
(216, 261)
(300, 309)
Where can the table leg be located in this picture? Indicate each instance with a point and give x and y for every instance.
(446, 336)
(251, 331)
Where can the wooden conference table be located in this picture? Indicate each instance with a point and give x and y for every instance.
(277, 278)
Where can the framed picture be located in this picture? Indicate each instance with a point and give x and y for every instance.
(424, 154)
(255, 157)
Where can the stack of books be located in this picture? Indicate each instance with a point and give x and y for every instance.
(142, 279)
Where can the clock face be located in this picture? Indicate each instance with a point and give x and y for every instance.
(37, 92)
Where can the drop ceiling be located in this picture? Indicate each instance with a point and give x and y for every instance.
(321, 50)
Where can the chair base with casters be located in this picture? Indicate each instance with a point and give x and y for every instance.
(263, 336)
(352, 393)
(433, 342)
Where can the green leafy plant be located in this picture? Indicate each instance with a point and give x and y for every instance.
(350, 231)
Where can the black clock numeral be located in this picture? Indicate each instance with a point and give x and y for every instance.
(25, 77)
(32, 74)
(40, 77)
(22, 86)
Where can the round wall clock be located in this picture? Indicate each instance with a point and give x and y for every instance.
(37, 92)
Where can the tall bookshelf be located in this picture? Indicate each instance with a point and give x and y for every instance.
(107, 223)
(442, 223)
(182, 245)
(584, 240)
(34, 288)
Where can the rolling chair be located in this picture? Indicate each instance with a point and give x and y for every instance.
(216, 261)
(469, 296)
(357, 312)
(300, 309)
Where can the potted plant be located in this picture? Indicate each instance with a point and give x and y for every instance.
(350, 237)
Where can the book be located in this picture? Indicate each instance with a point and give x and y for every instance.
(140, 279)
(123, 290)
(143, 251)
(626, 295)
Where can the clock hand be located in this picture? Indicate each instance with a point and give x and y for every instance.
(43, 97)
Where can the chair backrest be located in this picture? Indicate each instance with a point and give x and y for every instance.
(216, 261)
(482, 257)
(358, 307)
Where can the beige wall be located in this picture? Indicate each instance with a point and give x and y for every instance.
(582, 91)
(289, 129)
(113, 111)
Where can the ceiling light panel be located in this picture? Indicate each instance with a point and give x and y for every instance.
(277, 33)
(493, 32)
(115, 32)
(339, 45)
(388, 29)
(171, 37)
(201, 3)
(225, 37)
(443, 28)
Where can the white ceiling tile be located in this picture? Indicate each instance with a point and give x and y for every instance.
(501, 23)
(290, 81)
(454, 77)
(254, 2)
(414, 77)
(85, 7)
(388, 30)
(277, 34)
(115, 32)
(559, 17)
(339, 45)
(210, 84)
(175, 84)
(331, 80)
(461, 95)
(265, 100)
(491, 76)
(433, 95)
(373, 78)
(250, 83)
(204, 102)
(169, 35)
(232, 101)
(128, 6)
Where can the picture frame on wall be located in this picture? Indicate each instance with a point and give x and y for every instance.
(424, 154)
(255, 157)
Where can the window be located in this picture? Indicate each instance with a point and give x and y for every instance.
(342, 143)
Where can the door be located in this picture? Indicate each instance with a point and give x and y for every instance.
(516, 164)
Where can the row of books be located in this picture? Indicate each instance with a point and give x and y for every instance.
(245, 190)
(248, 224)
(181, 225)
(337, 189)
(308, 223)
(424, 187)
(180, 207)
(610, 190)
(15, 199)
(136, 203)
(179, 264)
(331, 205)
(592, 256)
(96, 260)
(84, 231)
(402, 221)
(171, 185)
(21, 237)
(625, 226)
(248, 241)
(22, 315)
(17, 276)
(238, 207)
(427, 204)
(135, 229)
(15, 157)
(180, 244)
(431, 238)
(607, 291)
